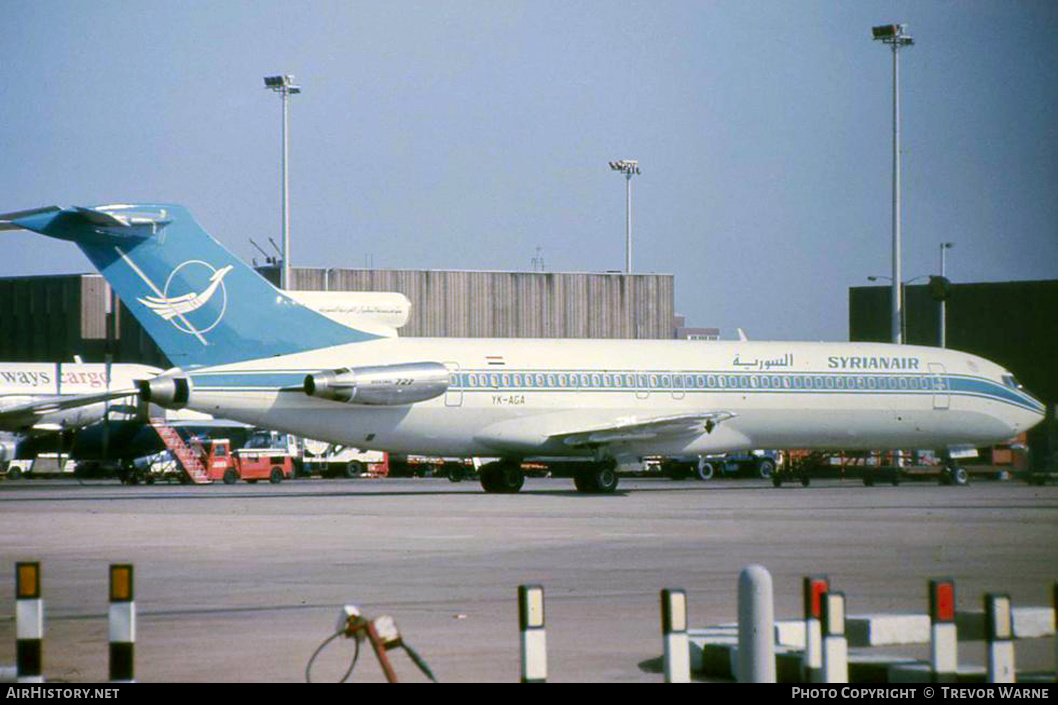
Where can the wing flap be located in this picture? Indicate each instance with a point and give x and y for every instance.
(635, 429)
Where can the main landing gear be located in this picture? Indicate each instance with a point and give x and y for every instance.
(502, 477)
(507, 477)
(597, 477)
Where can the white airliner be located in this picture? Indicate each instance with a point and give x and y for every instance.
(253, 354)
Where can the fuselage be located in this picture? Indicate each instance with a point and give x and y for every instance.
(513, 397)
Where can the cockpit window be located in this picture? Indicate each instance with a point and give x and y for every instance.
(1011, 381)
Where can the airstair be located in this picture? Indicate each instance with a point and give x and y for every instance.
(188, 458)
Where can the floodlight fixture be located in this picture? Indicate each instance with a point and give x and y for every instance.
(892, 34)
(628, 167)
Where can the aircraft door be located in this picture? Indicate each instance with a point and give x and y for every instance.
(941, 395)
(454, 393)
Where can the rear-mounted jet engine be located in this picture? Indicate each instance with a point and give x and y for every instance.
(384, 385)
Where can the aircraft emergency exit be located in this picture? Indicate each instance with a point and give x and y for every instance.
(249, 352)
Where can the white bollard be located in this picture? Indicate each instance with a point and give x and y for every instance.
(29, 623)
(999, 639)
(534, 634)
(944, 644)
(815, 586)
(835, 645)
(677, 647)
(756, 627)
(122, 624)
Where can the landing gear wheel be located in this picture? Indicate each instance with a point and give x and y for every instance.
(598, 478)
(502, 477)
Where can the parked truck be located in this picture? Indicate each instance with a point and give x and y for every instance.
(331, 460)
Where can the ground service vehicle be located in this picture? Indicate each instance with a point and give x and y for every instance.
(757, 463)
(247, 464)
(330, 460)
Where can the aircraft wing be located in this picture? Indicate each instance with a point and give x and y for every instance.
(26, 414)
(632, 429)
(563, 430)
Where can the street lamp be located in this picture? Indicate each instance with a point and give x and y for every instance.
(628, 167)
(284, 86)
(896, 36)
(902, 289)
(944, 247)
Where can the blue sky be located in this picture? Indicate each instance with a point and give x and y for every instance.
(465, 135)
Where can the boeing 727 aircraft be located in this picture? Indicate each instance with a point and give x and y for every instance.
(247, 351)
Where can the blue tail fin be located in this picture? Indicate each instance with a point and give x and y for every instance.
(200, 303)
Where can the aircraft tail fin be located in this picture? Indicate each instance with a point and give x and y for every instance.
(200, 303)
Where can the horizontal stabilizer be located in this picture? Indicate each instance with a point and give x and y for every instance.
(7, 219)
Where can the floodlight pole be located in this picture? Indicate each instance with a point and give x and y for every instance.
(284, 86)
(628, 167)
(896, 37)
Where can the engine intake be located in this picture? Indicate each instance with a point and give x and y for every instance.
(168, 392)
(384, 385)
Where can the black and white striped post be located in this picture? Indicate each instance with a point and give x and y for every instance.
(122, 624)
(677, 648)
(29, 623)
(835, 645)
(533, 633)
(815, 586)
(944, 644)
(999, 638)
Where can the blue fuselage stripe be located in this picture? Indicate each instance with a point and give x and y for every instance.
(660, 382)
